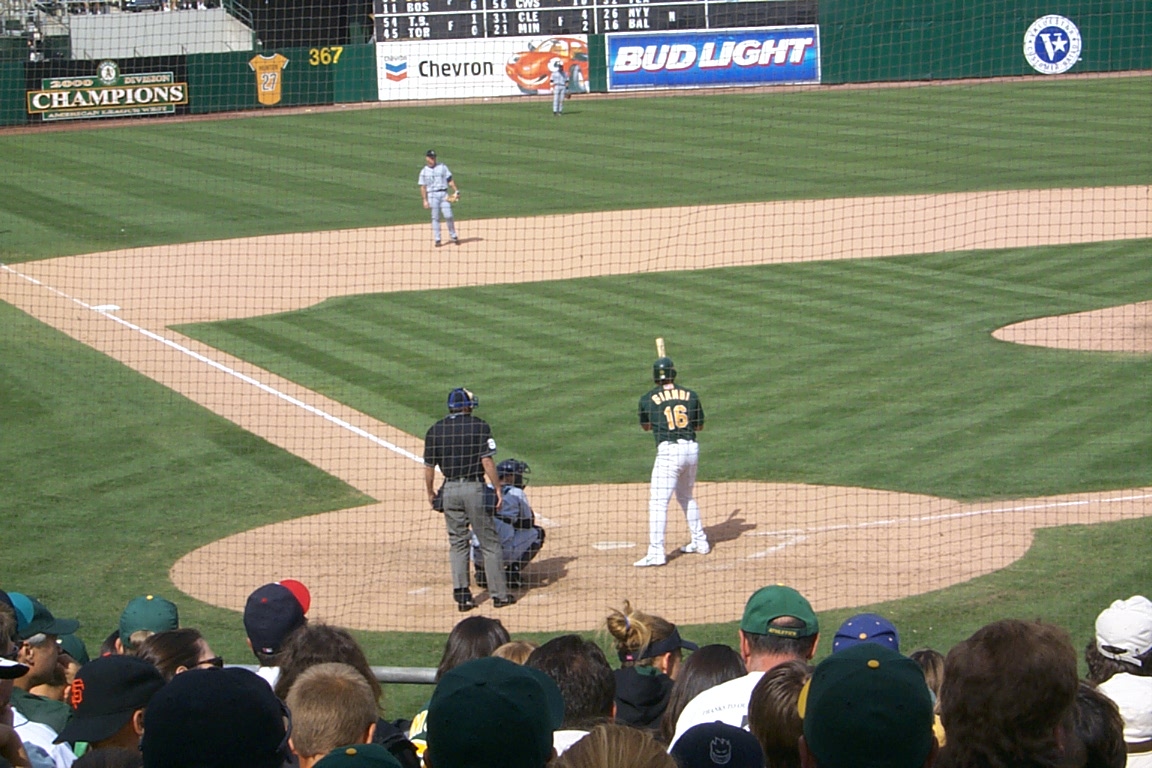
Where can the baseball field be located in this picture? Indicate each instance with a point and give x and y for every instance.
(919, 319)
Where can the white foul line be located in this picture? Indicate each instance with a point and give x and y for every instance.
(950, 516)
(104, 311)
(791, 535)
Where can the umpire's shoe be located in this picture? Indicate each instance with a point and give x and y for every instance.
(512, 576)
(463, 599)
(501, 602)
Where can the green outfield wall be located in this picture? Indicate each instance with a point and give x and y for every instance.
(869, 41)
(242, 81)
(222, 82)
(12, 110)
(884, 40)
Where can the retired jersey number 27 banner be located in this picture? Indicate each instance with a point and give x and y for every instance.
(718, 57)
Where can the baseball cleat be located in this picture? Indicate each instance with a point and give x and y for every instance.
(649, 560)
(455, 241)
(437, 243)
(696, 548)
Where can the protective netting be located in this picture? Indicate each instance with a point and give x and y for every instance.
(916, 318)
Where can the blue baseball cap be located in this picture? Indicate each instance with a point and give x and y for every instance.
(866, 628)
(461, 398)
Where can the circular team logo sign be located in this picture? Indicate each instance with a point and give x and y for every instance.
(1052, 45)
(108, 72)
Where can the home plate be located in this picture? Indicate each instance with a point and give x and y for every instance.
(606, 545)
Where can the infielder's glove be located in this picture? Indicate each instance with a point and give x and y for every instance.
(454, 196)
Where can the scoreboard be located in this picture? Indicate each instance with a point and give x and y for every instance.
(462, 19)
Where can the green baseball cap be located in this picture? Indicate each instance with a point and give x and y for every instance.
(359, 756)
(74, 647)
(41, 620)
(149, 612)
(867, 707)
(492, 713)
(768, 604)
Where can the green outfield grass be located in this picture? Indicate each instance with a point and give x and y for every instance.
(97, 189)
(110, 477)
(878, 372)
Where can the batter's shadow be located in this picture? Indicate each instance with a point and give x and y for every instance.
(545, 572)
(728, 530)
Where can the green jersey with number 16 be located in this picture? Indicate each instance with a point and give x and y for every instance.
(673, 411)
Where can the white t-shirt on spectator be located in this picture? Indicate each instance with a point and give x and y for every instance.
(270, 675)
(1133, 697)
(38, 739)
(562, 740)
(727, 702)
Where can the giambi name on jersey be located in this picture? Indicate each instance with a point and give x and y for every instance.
(672, 393)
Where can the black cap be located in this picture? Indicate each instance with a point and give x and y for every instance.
(105, 694)
(667, 645)
(430, 153)
(10, 670)
(215, 718)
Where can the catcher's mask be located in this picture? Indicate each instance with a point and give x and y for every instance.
(460, 398)
(516, 468)
(663, 370)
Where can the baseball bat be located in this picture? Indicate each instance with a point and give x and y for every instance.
(660, 347)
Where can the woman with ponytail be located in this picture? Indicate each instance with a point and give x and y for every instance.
(650, 650)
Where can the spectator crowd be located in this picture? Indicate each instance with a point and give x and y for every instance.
(156, 695)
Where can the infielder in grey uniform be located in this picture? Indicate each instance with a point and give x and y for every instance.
(434, 181)
(559, 87)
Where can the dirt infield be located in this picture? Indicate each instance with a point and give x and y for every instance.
(122, 303)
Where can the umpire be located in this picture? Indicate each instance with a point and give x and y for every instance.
(462, 446)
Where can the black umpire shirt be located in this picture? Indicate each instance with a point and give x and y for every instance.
(457, 443)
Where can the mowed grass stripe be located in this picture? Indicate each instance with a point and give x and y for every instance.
(109, 463)
(887, 375)
(154, 183)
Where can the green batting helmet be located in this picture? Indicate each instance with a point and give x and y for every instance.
(663, 370)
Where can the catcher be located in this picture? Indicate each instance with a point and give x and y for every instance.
(520, 537)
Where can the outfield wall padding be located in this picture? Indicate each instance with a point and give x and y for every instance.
(228, 82)
(870, 41)
(12, 110)
(895, 40)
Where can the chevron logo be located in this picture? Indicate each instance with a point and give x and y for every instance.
(396, 72)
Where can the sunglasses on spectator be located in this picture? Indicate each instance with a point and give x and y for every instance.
(215, 661)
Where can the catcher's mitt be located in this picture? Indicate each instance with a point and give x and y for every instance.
(454, 197)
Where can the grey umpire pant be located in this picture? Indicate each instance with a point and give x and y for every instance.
(464, 507)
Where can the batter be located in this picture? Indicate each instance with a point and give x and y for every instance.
(674, 415)
(434, 181)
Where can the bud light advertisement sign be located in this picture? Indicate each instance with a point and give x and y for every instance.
(719, 57)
